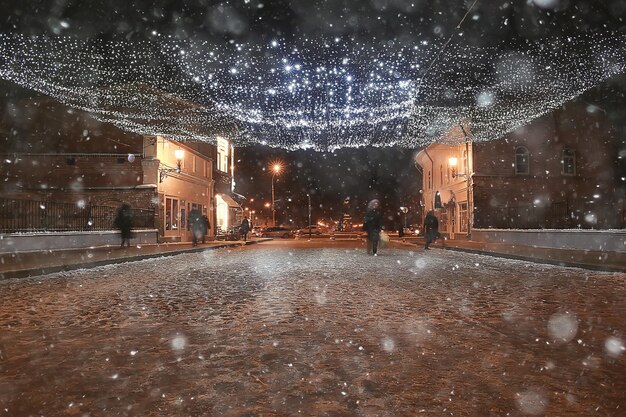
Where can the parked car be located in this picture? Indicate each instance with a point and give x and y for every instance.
(277, 231)
(315, 230)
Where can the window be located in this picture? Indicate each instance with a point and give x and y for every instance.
(522, 161)
(568, 162)
(463, 217)
(171, 214)
(440, 174)
(443, 220)
(222, 154)
(430, 182)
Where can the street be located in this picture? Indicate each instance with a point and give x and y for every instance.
(318, 328)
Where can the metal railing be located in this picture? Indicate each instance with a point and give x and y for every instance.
(18, 215)
(230, 234)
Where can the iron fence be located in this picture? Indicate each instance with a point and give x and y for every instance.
(18, 215)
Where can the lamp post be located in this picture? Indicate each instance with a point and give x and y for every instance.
(276, 168)
(310, 232)
(404, 210)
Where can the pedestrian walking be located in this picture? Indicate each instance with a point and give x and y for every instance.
(431, 228)
(124, 222)
(194, 224)
(399, 226)
(206, 226)
(244, 228)
(373, 224)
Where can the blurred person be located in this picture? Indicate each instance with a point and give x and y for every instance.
(124, 222)
(372, 224)
(206, 226)
(244, 228)
(431, 228)
(399, 225)
(195, 224)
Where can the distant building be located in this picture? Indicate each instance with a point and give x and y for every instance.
(560, 171)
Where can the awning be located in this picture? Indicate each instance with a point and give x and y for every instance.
(228, 200)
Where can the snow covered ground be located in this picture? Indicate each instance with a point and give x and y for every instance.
(315, 328)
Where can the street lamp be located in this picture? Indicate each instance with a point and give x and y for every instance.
(405, 210)
(179, 154)
(310, 232)
(276, 168)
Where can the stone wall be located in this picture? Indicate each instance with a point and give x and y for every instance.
(24, 242)
(593, 240)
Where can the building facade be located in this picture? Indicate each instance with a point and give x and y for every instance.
(558, 172)
(64, 170)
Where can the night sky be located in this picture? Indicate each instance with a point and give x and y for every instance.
(259, 20)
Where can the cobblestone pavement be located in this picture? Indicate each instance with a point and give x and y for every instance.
(317, 329)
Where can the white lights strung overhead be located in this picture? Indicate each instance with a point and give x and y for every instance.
(321, 94)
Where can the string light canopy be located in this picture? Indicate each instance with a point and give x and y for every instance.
(321, 94)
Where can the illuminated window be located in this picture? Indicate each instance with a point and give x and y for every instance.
(463, 217)
(222, 155)
(522, 161)
(171, 214)
(568, 162)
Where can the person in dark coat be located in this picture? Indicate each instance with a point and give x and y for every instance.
(431, 228)
(373, 224)
(206, 226)
(399, 226)
(124, 222)
(244, 228)
(194, 223)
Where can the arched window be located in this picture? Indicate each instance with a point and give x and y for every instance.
(522, 161)
(568, 162)
(440, 174)
(430, 181)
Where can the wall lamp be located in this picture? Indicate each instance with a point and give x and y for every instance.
(179, 154)
(453, 162)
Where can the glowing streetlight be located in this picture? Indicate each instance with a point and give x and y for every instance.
(276, 168)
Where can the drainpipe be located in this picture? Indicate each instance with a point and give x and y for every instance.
(468, 178)
(432, 175)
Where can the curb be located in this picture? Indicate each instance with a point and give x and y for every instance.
(27, 273)
(572, 264)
